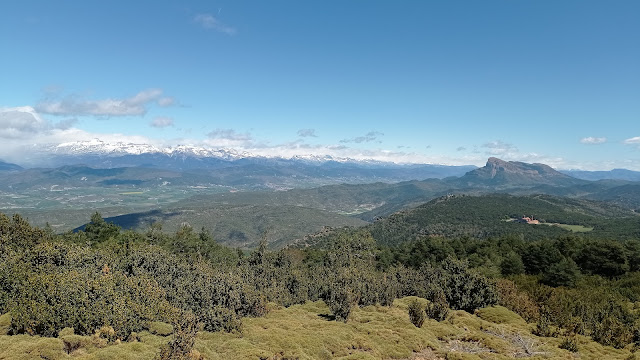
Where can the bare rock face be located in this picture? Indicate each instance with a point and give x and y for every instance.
(500, 172)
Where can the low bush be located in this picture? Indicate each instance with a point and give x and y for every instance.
(185, 328)
(416, 313)
(438, 309)
(219, 318)
(569, 343)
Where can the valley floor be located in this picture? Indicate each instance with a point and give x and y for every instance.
(305, 332)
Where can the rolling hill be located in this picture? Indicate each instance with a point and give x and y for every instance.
(459, 216)
(240, 225)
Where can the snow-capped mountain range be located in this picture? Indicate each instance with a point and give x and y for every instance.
(100, 147)
(229, 166)
(97, 147)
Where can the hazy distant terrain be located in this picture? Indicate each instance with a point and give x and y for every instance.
(279, 200)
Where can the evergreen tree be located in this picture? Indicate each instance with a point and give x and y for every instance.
(564, 273)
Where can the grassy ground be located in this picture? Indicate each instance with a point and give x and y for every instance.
(573, 228)
(373, 332)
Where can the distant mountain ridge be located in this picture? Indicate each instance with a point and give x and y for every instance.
(254, 190)
(498, 172)
(102, 154)
(615, 174)
(231, 167)
(5, 166)
(97, 147)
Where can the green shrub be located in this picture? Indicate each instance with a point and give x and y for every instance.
(563, 273)
(107, 333)
(416, 313)
(48, 302)
(341, 300)
(219, 318)
(544, 325)
(180, 347)
(516, 300)
(465, 289)
(569, 343)
(612, 332)
(133, 337)
(75, 342)
(438, 309)
(511, 264)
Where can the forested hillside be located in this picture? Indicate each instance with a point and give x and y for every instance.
(488, 216)
(101, 287)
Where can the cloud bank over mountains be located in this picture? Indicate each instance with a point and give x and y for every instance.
(23, 129)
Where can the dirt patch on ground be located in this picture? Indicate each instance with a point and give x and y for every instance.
(426, 354)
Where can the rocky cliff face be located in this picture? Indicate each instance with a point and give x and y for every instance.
(514, 173)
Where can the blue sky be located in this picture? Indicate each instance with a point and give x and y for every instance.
(450, 82)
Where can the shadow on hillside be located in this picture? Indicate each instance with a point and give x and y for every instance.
(139, 220)
(328, 317)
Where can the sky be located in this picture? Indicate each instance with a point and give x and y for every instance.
(446, 82)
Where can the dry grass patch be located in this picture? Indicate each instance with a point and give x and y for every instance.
(500, 315)
(25, 347)
(305, 332)
(5, 323)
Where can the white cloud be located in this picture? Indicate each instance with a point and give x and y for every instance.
(229, 138)
(22, 127)
(461, 148)
(208, 21)
(368, 137)
(65, 124)
(166, 101)
(20, 122)
(132, 106)
(498, 147)
(162, 122)
(593, 140)
(28, 151)
(228, 134)
(307, 133)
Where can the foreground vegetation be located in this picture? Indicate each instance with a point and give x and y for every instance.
(303, 332)
(108, 293)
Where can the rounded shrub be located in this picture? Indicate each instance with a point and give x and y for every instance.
(416, 313)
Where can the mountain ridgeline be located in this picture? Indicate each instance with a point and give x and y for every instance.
(281, 200)
(500, 173)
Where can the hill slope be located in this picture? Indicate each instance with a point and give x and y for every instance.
(487, 215)
(615, 174)
(241, 226)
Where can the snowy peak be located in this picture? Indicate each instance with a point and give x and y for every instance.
(97, 146)
(201, 152)
(103, 148)
(101, 153)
